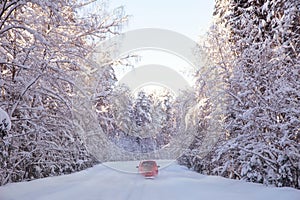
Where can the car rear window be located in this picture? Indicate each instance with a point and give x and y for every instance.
(148, 165)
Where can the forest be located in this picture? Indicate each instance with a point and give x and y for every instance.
(243, 110)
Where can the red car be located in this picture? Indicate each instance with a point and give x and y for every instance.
(148, 168)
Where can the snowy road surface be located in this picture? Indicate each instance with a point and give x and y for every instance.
(174, 182)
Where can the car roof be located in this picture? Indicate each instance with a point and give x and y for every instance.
(148, 161)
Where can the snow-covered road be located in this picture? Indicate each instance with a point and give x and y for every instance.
(174, 182)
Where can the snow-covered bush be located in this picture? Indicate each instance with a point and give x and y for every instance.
(245, 158)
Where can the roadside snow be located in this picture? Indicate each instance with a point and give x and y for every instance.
(174, 182)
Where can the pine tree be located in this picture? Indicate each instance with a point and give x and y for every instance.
(142, 109)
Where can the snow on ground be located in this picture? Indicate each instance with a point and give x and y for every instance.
(112, 181)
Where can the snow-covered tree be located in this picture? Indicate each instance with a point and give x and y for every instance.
(164, 117)
(142, 109)
(261, 141)
(44, 45)
(103, 97)
(132, 135)
(135, 115)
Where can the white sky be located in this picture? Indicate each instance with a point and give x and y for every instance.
(188, 17)
(191, 18)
